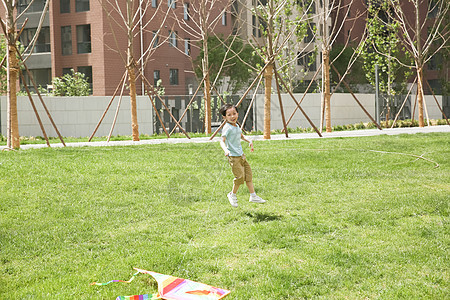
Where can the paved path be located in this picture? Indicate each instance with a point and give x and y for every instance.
(352, 133)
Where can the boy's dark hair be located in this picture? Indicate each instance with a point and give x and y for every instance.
(225, 107)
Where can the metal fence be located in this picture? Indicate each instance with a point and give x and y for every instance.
(193, 120)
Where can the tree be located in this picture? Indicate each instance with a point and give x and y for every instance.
(329, 30)
(199, 21)
(278, 22)
(234, 71)
(382, 38)
(423, 31)
(126, 23)
(12, 63)
(341, 57)
(9, 28)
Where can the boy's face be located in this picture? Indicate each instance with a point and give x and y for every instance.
(231, 116)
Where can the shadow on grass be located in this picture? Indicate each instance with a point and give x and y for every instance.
(262, 217)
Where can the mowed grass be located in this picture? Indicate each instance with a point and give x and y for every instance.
(340, 222)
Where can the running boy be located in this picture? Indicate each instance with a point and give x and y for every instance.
(231, 145)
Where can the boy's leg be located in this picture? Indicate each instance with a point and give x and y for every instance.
(250, 187)
(235, 187)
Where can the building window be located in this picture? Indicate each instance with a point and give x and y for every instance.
(36, 6)
(224, 18)
(42, 42)
(67, 71)
(81, 5)
(307, 60)
(172, 3)
(187, 46)
(433, 9)
(311, 60)
(87, 71)
(42, 77)
(66, 40)
(435, 61)
(186, 11)
(173, 39)
(173, 77)
(156, 77)
(64, 6)
(254, 25)
(154, 3)
(310, 33)
(83, 39)
(312, 7)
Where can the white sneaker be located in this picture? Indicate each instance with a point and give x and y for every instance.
(256, 199)
(233, 199)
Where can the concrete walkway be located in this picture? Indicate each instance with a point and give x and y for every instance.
(274, 137)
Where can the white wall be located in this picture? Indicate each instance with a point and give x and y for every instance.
(78, 116)
(344, 109)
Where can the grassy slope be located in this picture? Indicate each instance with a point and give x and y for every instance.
(340, 221)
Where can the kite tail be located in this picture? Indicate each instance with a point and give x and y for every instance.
(106, 283)
(139, 297)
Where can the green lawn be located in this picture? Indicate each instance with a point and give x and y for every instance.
(341, 222)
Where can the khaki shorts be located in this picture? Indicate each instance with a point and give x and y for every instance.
(241, 169)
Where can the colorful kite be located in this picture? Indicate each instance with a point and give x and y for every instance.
(174, 288)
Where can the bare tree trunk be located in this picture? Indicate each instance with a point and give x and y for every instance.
(134, 121)
(420, 96)
(132, 73)
(268, 74)
(419, 65)
(326, 92)
(207, 88)
(13, 140)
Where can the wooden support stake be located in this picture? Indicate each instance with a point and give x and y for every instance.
(304, 94)
(281, 103)
(243, 96)
(403, 104)
(190, 102)
(434, 96)
(356, 99)
(35, 110)
(117, 110)
(415, 103)
(107, 108)
(159, 117)
(170, 113)
(40, 98)
(298, 105)
(251, 103)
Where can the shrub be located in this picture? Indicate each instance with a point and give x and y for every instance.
(370, 125)
(74, 84)
(360, 126)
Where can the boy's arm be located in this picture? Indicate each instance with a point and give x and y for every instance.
(224, 146)
(243, 138)
(249, 142)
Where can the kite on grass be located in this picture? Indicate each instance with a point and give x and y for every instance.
(174, 288)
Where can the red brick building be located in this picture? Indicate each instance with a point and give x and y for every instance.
(354, 28)
(79, 35)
